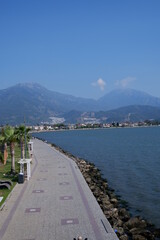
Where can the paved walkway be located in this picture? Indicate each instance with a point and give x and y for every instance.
(56, 204)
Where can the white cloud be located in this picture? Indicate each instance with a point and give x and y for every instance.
(99, 83)
(125, 82)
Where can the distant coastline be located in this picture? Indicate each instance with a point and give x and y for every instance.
(81, 129)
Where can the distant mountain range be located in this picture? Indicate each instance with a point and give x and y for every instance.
(126, 97)
(135, 113)
(37, 104)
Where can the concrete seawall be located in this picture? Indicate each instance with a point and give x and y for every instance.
(55, 204)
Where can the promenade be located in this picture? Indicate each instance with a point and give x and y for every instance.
(55, 204)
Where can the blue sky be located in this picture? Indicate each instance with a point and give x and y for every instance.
(81, 47)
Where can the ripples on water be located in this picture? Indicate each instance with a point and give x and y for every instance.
(129, 158)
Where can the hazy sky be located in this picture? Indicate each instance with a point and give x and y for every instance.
(81, 47)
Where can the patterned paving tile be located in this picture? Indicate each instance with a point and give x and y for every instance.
(64, 183)
(38, 191)
(32, 210)
(69, 221)
(41, 179)
(66, 198)
(29, 239)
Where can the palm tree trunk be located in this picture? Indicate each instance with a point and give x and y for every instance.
(12, 158)
(5, 153)
(22, 149)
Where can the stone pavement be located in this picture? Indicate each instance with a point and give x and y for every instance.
(55, 204)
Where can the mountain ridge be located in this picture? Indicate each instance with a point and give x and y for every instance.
(132, 113)
(117, 98)
(37, 104)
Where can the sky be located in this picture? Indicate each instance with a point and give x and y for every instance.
(85, 48)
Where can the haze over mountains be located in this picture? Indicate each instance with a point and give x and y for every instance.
(37, 104)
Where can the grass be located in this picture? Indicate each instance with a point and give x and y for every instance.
(5, 173)
(5, 192)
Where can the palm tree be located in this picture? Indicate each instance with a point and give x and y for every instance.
(11, 138)
(23, 137)
(3, 145)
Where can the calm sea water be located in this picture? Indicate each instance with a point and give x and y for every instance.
(129, 158)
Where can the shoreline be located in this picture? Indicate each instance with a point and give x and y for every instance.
(125, 225)
(81, 129)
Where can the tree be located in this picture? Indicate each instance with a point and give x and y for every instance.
(11, 137)
(2, 148)
(22, 137)
(3, 142)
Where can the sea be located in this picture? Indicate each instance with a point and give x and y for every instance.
(129, 158)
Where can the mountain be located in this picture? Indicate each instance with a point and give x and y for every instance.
(37, 104)
(134, 113)
(126, 97)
